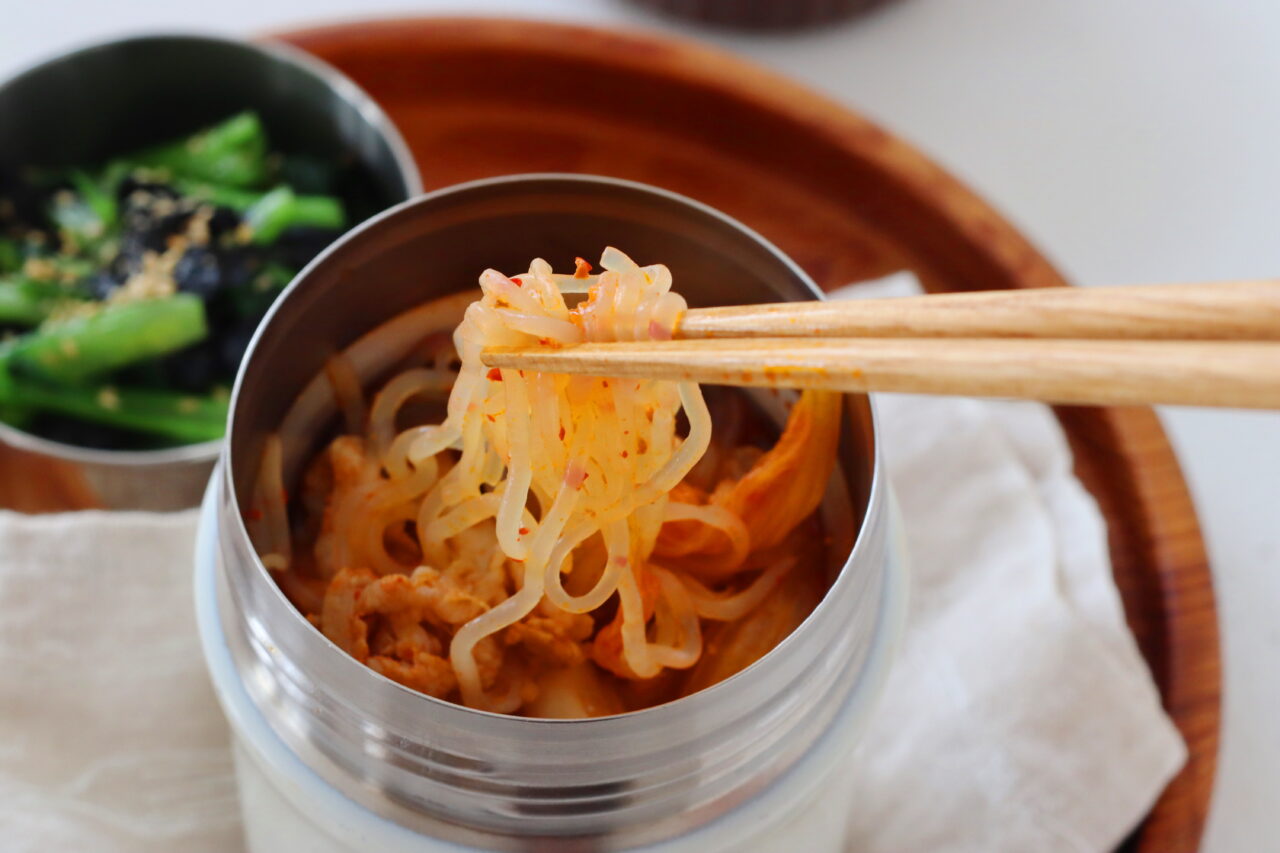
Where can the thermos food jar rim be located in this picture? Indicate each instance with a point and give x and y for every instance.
(485, 773)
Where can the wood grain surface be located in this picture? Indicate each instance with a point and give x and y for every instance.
(846, 200)
(1079, 372)
(1224, 310)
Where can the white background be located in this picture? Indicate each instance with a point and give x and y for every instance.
(1133, 142)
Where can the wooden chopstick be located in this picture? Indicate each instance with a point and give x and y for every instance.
(1190, 344)
(1094, 372)
(1237, 310)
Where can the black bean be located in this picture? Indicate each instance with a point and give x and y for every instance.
(131, 184)
(128, 259)
(194, 369)
(240, 266)
(157, 232)
(198, 272)
(101, 284)
(224, 221)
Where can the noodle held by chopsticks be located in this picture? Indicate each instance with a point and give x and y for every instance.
(545, 524)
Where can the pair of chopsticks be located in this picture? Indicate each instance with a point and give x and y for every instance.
(1183, 344)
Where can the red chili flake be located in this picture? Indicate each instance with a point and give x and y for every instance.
(604, 383)
(524, 531)
(494, 374)
(546, 342)
(252, 515)
(492, 419)
(582, 269)
(574, 476)
(562, 433)
(625, 454)
(516, 281)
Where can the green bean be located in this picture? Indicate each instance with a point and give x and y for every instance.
(11, 411)
(58, 275)
(73, 214)
(112, 176)
(81, 348)
(10, 255)
(242, 132)
(234, 198)
(308, 174)
(14, 415)
(281, 209)
(102, 203)
(232, 152)
(24, 303)
(182, 417)
(88, 213)
(319, 211)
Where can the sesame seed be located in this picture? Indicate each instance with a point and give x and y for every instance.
(39, 269)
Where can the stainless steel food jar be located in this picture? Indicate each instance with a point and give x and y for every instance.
(332, 756)
(95, 102)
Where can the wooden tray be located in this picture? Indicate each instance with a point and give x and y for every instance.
(476, 98)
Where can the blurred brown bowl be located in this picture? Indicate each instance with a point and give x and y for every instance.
(763, 14)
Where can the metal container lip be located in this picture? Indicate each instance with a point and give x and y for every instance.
(342, 85)
(706, 696)
(205, 451)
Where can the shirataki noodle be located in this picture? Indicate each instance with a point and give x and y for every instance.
(548, 547)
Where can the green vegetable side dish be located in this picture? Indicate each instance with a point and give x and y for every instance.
(129, 290)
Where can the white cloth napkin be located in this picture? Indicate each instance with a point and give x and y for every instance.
(110, 736)
(1019, 714)
(1018, 717)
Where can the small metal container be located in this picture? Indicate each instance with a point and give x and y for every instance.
(97, 101)
(332, 756)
